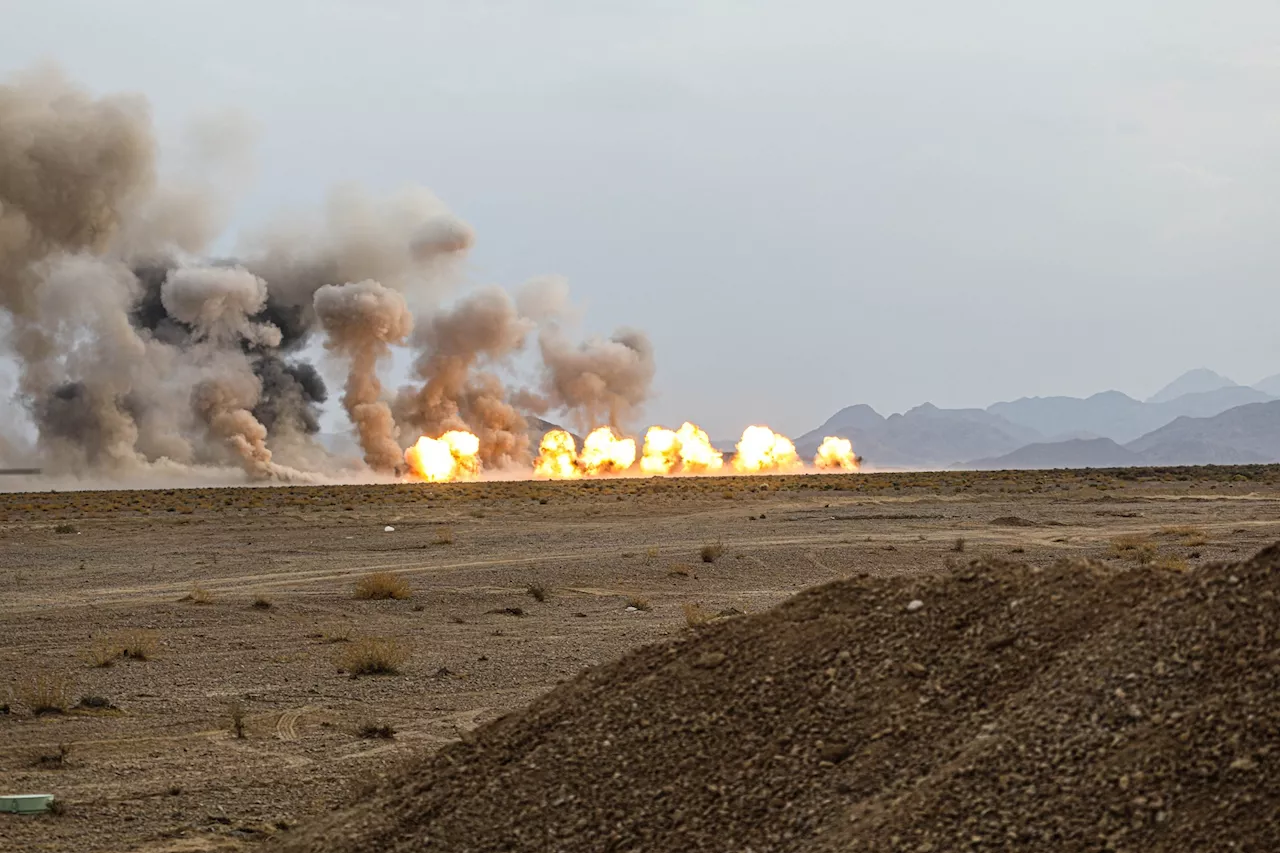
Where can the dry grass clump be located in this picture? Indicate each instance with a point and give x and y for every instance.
(198, 595)
(372, 656)
(444, 536)
(537, 591)
(1188, 533)
(712, 551)
(639, 603)
(236, 713)
(695, 614)
(958, 547)
(261, 602)
(64, 528)
(44, 693)
(1169, 563)
(380, 585)
(137, 643)
(373, 729)
(1137, 549)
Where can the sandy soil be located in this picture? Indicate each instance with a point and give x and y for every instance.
(162, 769)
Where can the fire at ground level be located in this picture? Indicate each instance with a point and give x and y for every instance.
(455, 455)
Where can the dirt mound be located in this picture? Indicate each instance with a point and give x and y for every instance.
(995, 707)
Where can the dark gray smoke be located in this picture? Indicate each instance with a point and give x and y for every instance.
(135, 354)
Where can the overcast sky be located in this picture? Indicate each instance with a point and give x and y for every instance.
(805, 204)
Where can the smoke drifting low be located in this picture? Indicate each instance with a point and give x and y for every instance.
(137, 352)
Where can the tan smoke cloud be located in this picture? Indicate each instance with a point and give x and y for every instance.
(218, 303)
(361, 321)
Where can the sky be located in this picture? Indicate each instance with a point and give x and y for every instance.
(806, 204)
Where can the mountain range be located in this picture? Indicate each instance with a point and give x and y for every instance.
(1200, 418)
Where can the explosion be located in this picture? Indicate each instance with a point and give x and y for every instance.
(453, 456)
(687, 450)
(557, 456)
(836, 454)
(762, 450)
(603, 452)
(136, 353)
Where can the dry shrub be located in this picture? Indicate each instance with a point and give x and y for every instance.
(236, 711)
(1138, 549)
(45, 693)
(958, 547)
(198, 595)
(1169, 563)
(1189, 534)
(137, 644)
(639, 603)
(380, 585)
(372, 656)
(373, 729)
(712, 551)
(64, 528)
(444, 536)
(104, 652)
(695, 614)
(338, 634)
(261, 602)
(537, 591)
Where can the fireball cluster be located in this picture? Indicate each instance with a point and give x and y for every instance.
(455, 455)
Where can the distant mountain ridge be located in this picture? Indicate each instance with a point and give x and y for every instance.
(1201, 417)
(1198, 381)
(1244, 435)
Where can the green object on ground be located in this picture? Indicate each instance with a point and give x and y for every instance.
(25, 803)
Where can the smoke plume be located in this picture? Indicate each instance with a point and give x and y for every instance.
(362, 321)
(136, 353)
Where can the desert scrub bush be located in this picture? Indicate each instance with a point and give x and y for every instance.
(374, 729)
(958, 545)
(380, 585)
(695, 614)
(44, 693)
(711, 551)
(537, 591)
(639, 603)
(261, 602)
(1169, 563)
(235, 716)
(372, 656)
(64, 528)
(444, 536)
(1138, 549)
(132, 644)
(198, 595)
(1190, 535)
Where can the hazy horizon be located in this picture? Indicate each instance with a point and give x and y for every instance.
(804, 207)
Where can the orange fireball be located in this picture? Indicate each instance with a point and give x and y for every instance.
(688, 450)
(453, 456)
(557, 456)
(603, 452)
(761, 450)
(836, 454)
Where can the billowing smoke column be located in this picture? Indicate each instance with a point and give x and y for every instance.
(363, 319)
(457, 392)
(137, 353)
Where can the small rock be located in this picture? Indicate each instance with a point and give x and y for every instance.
(834, 752)
(388, 529)
(914, 605)
(709, 660)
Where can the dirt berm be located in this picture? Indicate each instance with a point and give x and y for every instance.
(1077, 707)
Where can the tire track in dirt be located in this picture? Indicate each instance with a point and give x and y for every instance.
(160, 592)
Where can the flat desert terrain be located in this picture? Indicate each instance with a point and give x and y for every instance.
(242, 605)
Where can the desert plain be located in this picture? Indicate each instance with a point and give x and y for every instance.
(192, 648)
